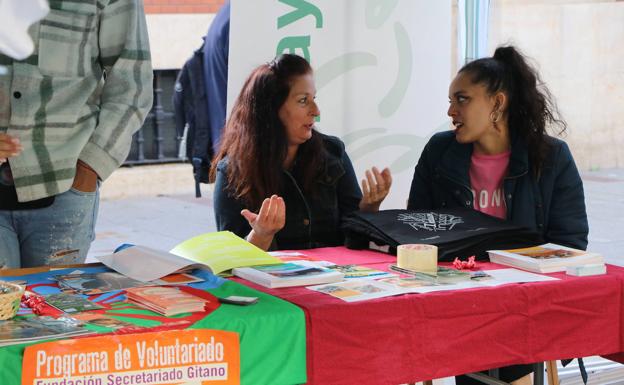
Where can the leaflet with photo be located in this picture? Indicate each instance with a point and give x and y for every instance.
(71, 303)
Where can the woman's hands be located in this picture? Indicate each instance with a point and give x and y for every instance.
(270, 219)
(375, 188)
(9, 146)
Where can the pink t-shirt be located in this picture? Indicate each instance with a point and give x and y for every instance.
(486, 181)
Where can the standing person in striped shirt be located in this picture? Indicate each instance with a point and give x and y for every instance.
(67, 115)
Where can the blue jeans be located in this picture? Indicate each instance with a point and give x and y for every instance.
(55, 235)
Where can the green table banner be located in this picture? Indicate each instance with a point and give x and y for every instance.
(271, 332)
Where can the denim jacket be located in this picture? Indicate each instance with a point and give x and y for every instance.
(311, 221)
(552, 204)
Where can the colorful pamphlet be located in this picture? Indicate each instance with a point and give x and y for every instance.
(71, 303)
(359, 290)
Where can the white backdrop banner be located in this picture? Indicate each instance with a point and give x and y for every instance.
(382, 70)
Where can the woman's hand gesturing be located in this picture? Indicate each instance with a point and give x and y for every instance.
(270, 219)
(375, 188)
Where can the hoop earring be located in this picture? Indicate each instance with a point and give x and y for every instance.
(495, 116)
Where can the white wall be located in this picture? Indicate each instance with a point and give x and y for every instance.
(174, 37)
(578, 47)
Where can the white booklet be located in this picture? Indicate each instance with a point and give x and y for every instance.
(547, 258)
(219, 251)
(293, 273)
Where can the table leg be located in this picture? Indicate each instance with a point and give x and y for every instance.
(538, 373)
(552, 372)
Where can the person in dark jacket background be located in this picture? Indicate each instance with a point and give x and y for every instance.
(216, 53)
(279, 182)
(191, 116)
(200, 96)
(500, 160)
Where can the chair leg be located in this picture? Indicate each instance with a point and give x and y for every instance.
(538, 373)
(552, 372)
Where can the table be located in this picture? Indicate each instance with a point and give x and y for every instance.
(417, 337)
(263, 361)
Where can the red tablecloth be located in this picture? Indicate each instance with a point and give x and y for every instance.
(426, 336)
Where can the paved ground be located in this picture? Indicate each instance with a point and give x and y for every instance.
(162, 221)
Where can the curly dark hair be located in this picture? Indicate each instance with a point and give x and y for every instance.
(531, 106)
(255, 140)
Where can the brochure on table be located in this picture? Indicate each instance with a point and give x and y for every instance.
(218, 251)
(360, 290)
(294, 273)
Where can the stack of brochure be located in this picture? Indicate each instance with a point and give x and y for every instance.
(165, 300)
(548, 258)
(298, 273)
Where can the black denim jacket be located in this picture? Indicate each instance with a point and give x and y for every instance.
(311, 221)
(552, 204)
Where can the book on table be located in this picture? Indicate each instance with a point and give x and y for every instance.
(218, 252)
(350, 271)
(547, 258)
(297, 273)
(165, 300)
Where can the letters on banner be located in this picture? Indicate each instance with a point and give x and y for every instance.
(172, 357)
